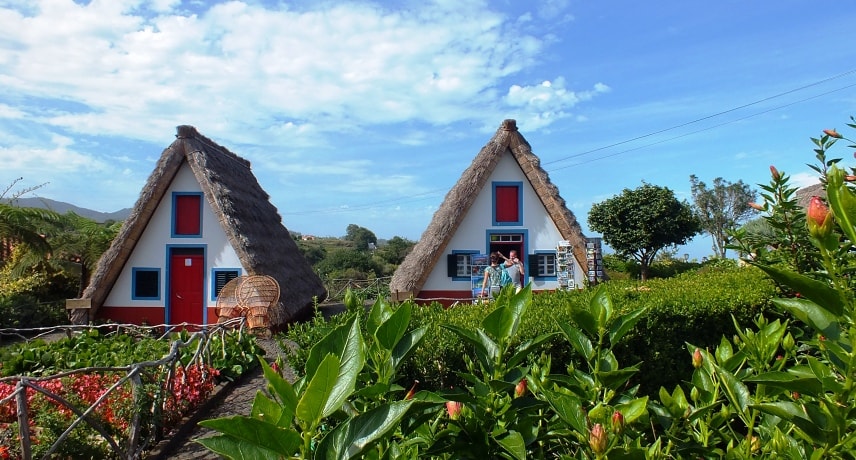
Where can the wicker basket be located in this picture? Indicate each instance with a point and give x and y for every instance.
(252, 296)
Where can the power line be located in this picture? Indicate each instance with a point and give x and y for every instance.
(699, 130)
(432, 193)
(697, 120)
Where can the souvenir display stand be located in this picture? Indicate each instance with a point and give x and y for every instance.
(594, 260)
(565, 265)
(477, 266)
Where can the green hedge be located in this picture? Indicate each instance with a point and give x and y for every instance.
(694, 307)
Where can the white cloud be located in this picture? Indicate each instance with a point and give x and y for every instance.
(136, 74)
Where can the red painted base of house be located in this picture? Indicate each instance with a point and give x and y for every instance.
(140, 315)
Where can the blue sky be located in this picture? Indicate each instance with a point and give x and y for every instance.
(368, 112)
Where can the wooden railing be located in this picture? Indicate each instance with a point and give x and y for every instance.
(368, 289)
(143, 432)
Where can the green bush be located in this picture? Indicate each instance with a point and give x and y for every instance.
(695, 307)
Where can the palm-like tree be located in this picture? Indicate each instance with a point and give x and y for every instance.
(25, 226)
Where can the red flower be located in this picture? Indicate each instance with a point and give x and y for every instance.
(756, 206)
(775, 172)
(818, 218)
(412, 391)
(597, 439)
(832, 133)
(454, 409)
(697, 358)
(617, 422)
(520, 389)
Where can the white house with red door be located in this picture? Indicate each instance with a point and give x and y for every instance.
(202, 220)
(503, 201)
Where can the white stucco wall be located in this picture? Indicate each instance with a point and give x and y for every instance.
(472, 233)
(151, 252)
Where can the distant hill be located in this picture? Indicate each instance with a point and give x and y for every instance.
(62, 208)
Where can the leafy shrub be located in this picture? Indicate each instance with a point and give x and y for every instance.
(695, 307)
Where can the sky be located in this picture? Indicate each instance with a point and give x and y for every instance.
(367, 112)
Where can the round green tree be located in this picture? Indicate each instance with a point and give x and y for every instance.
(639, 222)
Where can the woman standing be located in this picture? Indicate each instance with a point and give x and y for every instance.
(492, 276)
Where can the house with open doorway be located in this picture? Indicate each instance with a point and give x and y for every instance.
(503, 201)
(201, 220)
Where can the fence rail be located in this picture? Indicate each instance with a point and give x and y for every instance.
(143, 432)
(368, 289)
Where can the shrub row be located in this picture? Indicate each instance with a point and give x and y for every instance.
(695, 307)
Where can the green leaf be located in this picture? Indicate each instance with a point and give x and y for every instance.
(842, 202)
(793, 413)
(578, 340)
(245, 434)
(351, 438)
(821, 320)
(280, 388)
(617, 378)
(633, 409)
(268, 410)
(788, 381)
(735, 390)
(513, 444)
(481, 349)
(525, 348)
(394, 327)
(502, 323)
(344, 341)
(379, 313)
(407, 344)
(819, 292)
(312, 405)
(623, 324)
(568, 408)
(236, 449)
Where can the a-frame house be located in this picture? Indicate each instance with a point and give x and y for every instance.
(504, 200)
(201, 220)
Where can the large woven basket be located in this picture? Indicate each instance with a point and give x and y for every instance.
(251, 296)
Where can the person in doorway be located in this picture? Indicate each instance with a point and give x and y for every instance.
(514, 267)
(492, 277)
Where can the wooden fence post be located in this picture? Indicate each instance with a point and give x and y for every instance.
(23, 418)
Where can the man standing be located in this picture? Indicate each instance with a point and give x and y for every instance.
(514, 267)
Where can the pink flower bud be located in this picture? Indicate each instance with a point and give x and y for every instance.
(850, 178)
(817, 210)
(756, 206)
(520, 389)
(832, 133)
(697, 358)
(617, 422)
(775, 172)
(412, 391)
(818, 218)
(454, 409)
(597, 439)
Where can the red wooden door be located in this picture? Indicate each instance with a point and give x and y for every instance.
(186, 299)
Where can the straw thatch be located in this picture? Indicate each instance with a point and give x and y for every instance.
(414, 270)
(804, 194)
(252, 224)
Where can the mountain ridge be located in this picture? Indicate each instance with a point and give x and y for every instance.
(62, 207)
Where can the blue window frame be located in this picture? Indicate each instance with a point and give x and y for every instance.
(460, 264)
(507, 203)
(187, 214)
(219, 278)
(543, 265)
(145, 283)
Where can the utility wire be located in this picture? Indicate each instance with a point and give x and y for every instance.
(431, 193)
(697, 120)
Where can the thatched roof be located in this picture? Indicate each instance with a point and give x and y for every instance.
(252, 224)
(804, 194)
(414, 270)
